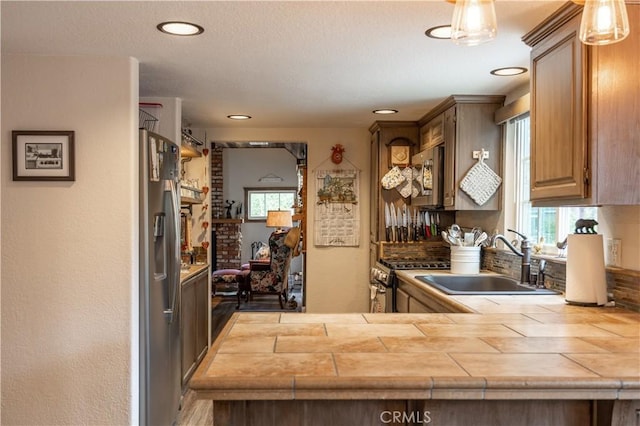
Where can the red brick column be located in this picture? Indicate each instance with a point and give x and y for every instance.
(217, 207)
(228, 231)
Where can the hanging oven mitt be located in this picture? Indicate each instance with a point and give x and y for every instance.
(480, 182)
(410, 186)
(393, 178)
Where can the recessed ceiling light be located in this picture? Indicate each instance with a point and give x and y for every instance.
(180, 28)
(440, 32)
(258, 143)
(508, 71)
(385, 111)
(239, 117)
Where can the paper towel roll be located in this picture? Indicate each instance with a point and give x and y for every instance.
(586, 278)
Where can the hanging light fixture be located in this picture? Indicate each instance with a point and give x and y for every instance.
(603, 21)
(473, 22)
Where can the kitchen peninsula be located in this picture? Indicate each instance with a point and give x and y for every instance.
(508, 360)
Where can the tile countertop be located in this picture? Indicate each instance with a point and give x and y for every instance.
(506, 347)
(192, 272)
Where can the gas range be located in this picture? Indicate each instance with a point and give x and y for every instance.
(383, 274)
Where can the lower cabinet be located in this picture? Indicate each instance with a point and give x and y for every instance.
(412, 299)
(402, 301)
(416, 307)
(194, 323)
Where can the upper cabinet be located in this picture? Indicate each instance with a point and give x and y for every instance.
(432, 133)
(465, 124)
(585, 104)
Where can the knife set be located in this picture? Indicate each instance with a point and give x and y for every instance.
(403, 224)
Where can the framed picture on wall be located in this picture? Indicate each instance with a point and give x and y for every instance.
(44, 155)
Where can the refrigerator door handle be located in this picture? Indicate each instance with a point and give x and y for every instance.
(174, 283)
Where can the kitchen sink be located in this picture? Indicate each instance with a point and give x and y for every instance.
(480, 284)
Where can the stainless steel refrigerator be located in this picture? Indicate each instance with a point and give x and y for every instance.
(160, 381)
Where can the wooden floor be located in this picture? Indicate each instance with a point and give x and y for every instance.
(195, 412)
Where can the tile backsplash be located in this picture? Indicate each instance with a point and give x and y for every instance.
(623, 285)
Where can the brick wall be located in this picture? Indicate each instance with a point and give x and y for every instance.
(228, 232)
(217, 207)
(228, 245)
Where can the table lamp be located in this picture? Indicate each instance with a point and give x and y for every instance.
(279, 219)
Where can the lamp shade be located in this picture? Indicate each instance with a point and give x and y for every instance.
(604, 22)
(279, 219)
(473, 22)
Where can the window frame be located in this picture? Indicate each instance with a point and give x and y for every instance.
(247, 191)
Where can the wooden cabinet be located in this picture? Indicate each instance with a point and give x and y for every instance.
(585, 104)
(194, 322)
(384, 135)
(432, 133)
(415, 300)
(402, 300)
(468, 125)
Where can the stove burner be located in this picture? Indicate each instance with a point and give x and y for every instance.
(416, 263)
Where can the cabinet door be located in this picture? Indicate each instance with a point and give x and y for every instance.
(202, 310)
(416, 307)
(188, 329)
(615, 119)
(432, 133)
(402, 301)
(436, 131)
(449, 157)
(558, 137)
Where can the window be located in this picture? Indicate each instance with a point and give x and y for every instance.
(259, 201)
(551, 223)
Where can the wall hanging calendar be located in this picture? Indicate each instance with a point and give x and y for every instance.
(337, 212)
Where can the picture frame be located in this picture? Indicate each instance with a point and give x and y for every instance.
(43, 155)
(399, 155)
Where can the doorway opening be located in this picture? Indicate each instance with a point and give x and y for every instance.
(271, 167)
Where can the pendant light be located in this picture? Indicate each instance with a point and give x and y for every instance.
(603, 22)
(474, 22)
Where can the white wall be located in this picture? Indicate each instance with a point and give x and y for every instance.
(69, 304)
(622, 222)
(337, 277)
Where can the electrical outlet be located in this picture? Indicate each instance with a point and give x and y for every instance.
(614, 251)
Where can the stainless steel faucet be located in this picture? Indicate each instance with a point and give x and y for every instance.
(525, 254)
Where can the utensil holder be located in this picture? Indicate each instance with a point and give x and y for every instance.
(465, 260)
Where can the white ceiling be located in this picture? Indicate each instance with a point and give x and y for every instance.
(286, 63)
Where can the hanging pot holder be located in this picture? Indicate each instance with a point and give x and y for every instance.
(480, 182)
(393, 178)
(410, 185)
